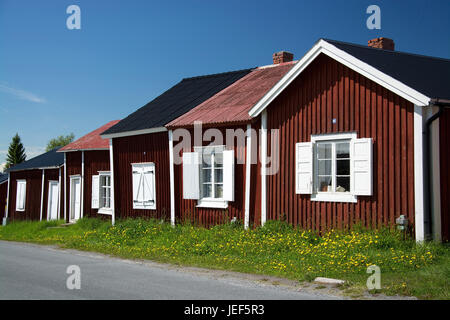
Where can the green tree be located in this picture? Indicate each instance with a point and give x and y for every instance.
(16, 152)
(60, 141)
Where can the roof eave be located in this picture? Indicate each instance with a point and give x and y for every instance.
(351, 62)
(133, 133)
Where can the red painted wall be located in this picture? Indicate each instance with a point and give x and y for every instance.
(94, 161)
(327, 90)
(33, 193)
(136, 149)
(3, 195)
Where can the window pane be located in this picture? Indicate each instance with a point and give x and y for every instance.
(206, 160)
(219, 190)
(207, 190)
(343, 150)
(218, 175)
(324, 150)
(218, 159)
(324, 167)
(342, 184)
(206, 175)
(325, 184)
(342, 167)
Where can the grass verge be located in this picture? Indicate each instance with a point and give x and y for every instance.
(277, 249)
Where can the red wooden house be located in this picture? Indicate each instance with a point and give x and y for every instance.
(34, 188)
(348, 134)
(88, 180)
(140, 145)
(354, 134)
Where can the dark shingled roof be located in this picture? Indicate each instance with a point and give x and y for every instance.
(3, 177)
(46, 160)
(176, 101)
(427, 75)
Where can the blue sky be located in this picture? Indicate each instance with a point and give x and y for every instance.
(56, 81)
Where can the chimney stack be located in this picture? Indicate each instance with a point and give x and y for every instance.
(282, 56)
(382, 43)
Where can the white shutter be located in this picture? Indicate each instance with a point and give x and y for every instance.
(95, 201)
(138, 192)
(191, 175)
(304, 167)
(20, 195)
(361, 166)
(228, 175)
(148, 181)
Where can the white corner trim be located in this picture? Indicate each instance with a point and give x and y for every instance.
(248, 162)
(111, 168)
(418, 174)
(263, 167)
(59, 194)
(351, 62)
(133, 133)
(82, 185)
(172, 180)
(42, 194)
(65, 188)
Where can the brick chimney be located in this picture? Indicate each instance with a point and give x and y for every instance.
(382, 43)
(282, 56)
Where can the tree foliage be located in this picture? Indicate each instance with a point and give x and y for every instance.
(60, 141)
(16, 152)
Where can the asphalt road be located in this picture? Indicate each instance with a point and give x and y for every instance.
(38, 272)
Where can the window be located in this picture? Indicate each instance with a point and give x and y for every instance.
(143, 176)
(101, 192)
(208, 176)
(334, 167)
(21, 195)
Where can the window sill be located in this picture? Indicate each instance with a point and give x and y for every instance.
(104, 211)
(20, 210)
(334, 197)
(212, 203)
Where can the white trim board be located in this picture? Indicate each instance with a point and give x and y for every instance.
(133, 133)
(349, 61)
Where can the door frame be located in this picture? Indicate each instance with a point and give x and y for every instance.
(50, 182)
(72, 179)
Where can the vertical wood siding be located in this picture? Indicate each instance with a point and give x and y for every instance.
(444, 141)
(187, 209)
(32, 197)
(3, 195)
(136, 149)
(33, 193)
(94, 161)
(328, 90)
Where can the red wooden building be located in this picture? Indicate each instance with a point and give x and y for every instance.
(350, 134)
(35, 188)
(88, 179)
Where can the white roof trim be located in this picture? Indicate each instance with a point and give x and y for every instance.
(76, 150)
(133, 133)
(351, 62)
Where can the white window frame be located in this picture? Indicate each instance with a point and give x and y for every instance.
(21, 181)
(210, 202)
(102, 209)
(149, 206)
(332, 196)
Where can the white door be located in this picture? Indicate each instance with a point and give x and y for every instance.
(53, 195)
(75, 198)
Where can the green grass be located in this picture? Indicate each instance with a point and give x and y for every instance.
(277, 249)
